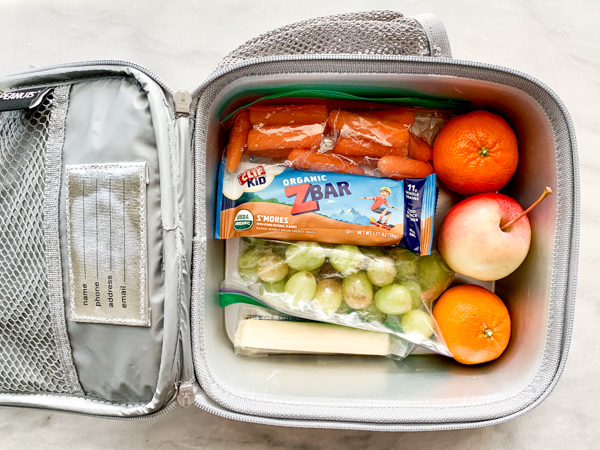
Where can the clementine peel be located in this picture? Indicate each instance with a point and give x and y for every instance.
(476, 152)
(474, 323)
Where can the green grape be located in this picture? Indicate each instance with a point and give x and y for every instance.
(301, 287)
(417, 322)
(277, 247)
(247, 264)
(272, 268)
(393, 322)
(372, 252)
(305, 256)
(405, 270)
(357, 290)
(381, 271)
(346, 259)
(252, 242)
(372, 314)
(415, 292)
(328, 297)
(277, 287)
(405, 262)
(433, 272)
(393, 299)
(401, 254)
(327, 271)
(327, 247)
(315, 273)
(344, 308)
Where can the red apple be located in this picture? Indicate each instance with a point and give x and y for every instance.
(475, 241)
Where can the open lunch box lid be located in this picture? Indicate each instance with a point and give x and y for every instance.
(197, 364)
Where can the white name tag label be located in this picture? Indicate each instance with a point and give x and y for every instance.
(107, 243)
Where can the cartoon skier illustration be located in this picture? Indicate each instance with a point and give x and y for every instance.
(378, 208)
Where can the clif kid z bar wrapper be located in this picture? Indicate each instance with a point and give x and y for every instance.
(278, 202)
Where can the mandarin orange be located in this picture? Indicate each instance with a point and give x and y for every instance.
(476, 152)
(474, 323)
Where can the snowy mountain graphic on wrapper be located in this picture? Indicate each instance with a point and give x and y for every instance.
(351, 216)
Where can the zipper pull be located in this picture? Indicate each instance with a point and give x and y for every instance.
(185, 396)
(183, 101)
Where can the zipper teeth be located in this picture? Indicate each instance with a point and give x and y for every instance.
(164, 410)
(350, 57)
(278, 58)
(316, 424)
(103, 62)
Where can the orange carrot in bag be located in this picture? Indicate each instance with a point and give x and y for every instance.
(279, 137)
(364, 161)
(238, 137)
(405, 117)
(419, 149)
(399, 168)
(278, 153)
(350, 146)
(324, 162)
(288, 114)
(352, 125)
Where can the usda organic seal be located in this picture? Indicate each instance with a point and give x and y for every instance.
(243, 220)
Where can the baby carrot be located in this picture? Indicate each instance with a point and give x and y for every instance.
(419, 149)
(398, 168)
(237, 140)
(279, 153)
(355, 146)
(386, 133)
(325, 162)
(405, 117)
(287, 114)
(276, 137)
(365, 161)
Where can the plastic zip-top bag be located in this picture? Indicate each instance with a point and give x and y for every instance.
(384, 289)
(334, 131)
(262, 331)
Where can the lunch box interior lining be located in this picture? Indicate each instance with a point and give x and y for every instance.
(423, 388)
(119, 116)
(110, 118)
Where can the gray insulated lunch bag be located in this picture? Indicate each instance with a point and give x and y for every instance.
(110, 275)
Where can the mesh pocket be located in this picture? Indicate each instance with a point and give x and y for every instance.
(375, 33)
(28, 350)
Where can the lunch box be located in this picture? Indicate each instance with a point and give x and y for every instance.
(107, 118)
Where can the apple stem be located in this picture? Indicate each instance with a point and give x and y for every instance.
(545, 194)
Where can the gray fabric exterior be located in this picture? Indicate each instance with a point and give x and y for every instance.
(374, 32)
(53, 178)
(439, 44)
(565, 250)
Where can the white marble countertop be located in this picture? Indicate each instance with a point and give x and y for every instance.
(558, 42)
